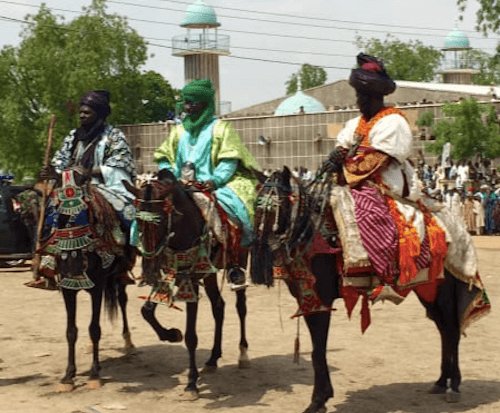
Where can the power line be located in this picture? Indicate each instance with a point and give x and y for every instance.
(321, 18)
(6, 18)
(254, 33)
(356, 29)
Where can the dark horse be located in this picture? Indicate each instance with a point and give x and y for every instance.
(173, 235)
(85, 255)
(284, 233)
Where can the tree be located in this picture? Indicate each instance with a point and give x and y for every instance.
(488, 66)
(310, 76)
(488, 15)
(471, 128)
(404, 61)
(55, 63)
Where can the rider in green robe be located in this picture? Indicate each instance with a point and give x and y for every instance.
(211, 150)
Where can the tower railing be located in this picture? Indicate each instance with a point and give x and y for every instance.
(201, 42)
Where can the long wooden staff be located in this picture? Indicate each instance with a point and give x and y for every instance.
(41, 216)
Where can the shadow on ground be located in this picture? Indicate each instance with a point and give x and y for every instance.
(377, 399)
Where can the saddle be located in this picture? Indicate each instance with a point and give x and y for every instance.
(226, 232)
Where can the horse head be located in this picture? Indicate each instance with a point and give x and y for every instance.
(156, 217)
(272, 223)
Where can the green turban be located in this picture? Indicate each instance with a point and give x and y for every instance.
(200, 90)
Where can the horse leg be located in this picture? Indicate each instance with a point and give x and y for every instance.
(67, 383)
(443, 311)
(172, 335)
(241, 308)
(218, 306)
(318, 324)
(96, 294)
(122, 301)
(191, 340)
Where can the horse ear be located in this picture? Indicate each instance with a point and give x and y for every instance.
(286, 173)
(166, 176)
(131, 188)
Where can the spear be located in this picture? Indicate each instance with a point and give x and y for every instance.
(41, 216)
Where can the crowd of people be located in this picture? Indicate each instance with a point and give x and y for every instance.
(471, 190)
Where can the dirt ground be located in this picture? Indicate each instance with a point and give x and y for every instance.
(388, 369)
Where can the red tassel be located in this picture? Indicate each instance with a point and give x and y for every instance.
(365, 314)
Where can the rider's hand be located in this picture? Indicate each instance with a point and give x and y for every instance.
(47, 172)
(209, 185)
(335, 160)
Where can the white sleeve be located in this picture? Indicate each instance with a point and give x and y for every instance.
(345, 138)
(392, 135)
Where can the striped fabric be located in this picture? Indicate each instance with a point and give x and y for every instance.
(378, 231)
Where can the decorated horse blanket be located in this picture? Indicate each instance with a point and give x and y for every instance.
(402, 246)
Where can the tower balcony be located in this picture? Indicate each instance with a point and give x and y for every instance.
(202, 42)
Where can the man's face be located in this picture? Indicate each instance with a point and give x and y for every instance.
(194, 108)
(88, 116)
(364, 102)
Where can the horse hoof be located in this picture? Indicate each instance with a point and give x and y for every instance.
(190, 395)
(94, 384)
(172, 335)
(453, 396)
(244, 364)
(65, 387)
(436, 389)
(315, 408)
(209, 369)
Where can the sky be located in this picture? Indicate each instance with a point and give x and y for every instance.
(271, 39)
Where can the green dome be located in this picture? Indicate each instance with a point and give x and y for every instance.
(200, 15)
(291, 105)
(456, 40)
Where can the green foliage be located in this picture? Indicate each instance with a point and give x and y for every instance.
(471, 128)
(55, 63)
(488, 15)
(425, 119)
(488, 66)
(310, 76)
(404, 60)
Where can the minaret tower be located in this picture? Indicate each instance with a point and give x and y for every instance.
(201, 46)
(457, 66)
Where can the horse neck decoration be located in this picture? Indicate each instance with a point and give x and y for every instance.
(175, 243)
(274, 229)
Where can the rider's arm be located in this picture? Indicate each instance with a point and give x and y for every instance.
(224, 171)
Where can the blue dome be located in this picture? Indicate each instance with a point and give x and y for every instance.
(291, 105)
(200, 15)
(456, 40)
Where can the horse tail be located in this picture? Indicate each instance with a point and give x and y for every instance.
(261, 264)
(111, 297)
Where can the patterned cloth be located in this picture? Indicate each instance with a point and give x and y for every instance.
(114, 157)
(217, 142)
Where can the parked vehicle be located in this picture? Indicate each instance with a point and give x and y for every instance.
(17, 239)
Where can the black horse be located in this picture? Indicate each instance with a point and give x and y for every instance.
(173, 234)
(84, 253)
(283, 234)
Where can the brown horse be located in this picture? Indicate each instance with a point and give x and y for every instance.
(173, 235)
(283, 237)
(80, 248)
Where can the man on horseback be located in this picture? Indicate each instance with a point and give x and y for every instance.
(406, 237)
(100, 151)
(208, 150)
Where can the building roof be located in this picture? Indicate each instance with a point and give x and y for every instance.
(452, 87)
(293, 104)
(200, 15)
(456, 40)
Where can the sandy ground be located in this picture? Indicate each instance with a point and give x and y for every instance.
(388, 369)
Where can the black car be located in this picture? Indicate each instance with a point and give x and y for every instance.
(17, 239)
